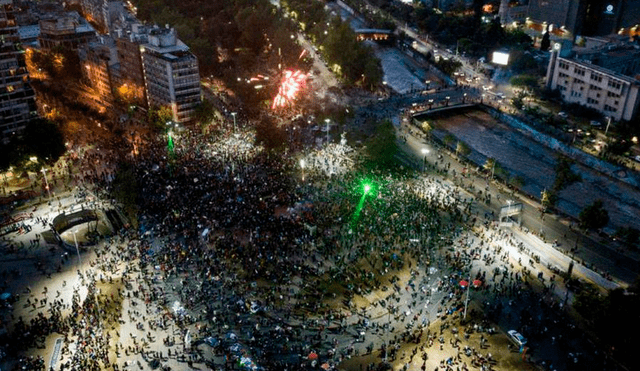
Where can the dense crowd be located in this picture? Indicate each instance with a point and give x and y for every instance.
(235, 251)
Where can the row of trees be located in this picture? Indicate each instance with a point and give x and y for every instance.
(352, 61)
(592, 217)
(233, 40)
(564, 178)
(459, 26)
(238, 39)
(613, 317)
(42, 139)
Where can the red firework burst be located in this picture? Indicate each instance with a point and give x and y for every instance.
(292, 82)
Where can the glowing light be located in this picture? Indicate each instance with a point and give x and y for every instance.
(292, 82)
(500, 58)
(170, 144)
(367, 188)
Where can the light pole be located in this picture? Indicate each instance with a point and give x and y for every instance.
(234, 120)
(46, 182)
(466, 302)
(302, 167)
(493, 168)
(75, 240)
(608, 123)
(328, 128)
(425, 152)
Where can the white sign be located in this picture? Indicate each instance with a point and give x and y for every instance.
(500, 58)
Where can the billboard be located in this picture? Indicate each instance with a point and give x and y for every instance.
(500, 58)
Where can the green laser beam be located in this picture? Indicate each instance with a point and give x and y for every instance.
(170, 143)
(356, 215)
(366, 187)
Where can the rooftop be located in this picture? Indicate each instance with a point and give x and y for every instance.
(587, 64)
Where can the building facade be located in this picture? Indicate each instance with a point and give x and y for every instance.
(128, 42)
(68, 30)
(612, 94)
(571, 18)
(171, 74)
(99, 67)
(17, 98)
(97, 12)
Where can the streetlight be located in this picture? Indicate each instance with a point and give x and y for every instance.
(493, 168)
(328, 127)
(75, 240)
(302, 167)
(234, 120)
(46, 182)
(466, 302)
(608, 123)
(425, 152)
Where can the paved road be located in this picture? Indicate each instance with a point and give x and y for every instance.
(604, 259)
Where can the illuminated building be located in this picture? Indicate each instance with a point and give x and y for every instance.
(68, 30)
(17, 102)
(580, 81)
(171, 74)
(98, 61)
(96, 11)
(571, 18)
(128, 43)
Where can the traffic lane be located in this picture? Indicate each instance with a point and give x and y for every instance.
(549, 255)
(604, 258)
(553, 229)
(327, 77)
(530, 217)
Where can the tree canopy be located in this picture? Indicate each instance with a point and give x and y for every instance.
(41, 138)
(594, 216)
(382, 147)
(614, 317)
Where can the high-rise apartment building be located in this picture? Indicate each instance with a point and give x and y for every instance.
(99, 66)
(571, 18)
(17, 98)
(171, 74)
(128, 43)
(96, 12)
(68, 30)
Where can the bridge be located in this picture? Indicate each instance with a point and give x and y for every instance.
(422, 110)
(377, 35)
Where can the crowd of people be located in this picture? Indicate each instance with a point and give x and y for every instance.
(222, 257)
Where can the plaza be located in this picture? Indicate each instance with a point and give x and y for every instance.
(242, 262)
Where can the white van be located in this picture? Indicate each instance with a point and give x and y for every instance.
(516, 338)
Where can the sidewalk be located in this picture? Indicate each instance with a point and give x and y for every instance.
(556, 227)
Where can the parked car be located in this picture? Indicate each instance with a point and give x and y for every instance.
(516, 338)
(595, 124)
(563, 114)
